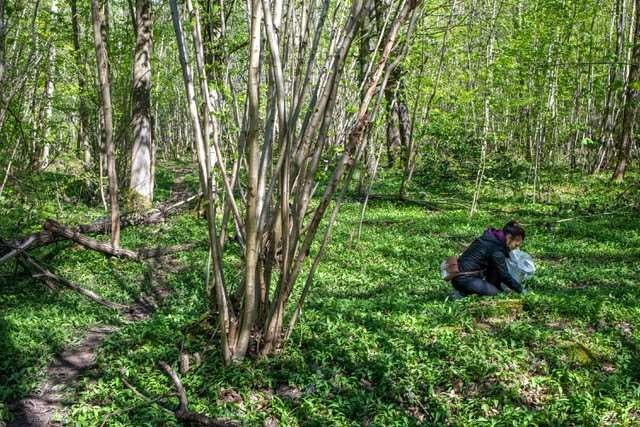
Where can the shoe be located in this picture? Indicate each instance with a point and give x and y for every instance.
(456, 295)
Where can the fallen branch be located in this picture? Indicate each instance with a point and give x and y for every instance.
(142, 396)
(584, 216)
(47, 277)
(183, 413)
(66, 232)
(11, 248)
(16, 250)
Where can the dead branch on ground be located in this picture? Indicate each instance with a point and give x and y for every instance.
(11, 248)
(45, 275)
(183, 413)
(74, 235)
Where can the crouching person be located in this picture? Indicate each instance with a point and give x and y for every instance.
(483, 265)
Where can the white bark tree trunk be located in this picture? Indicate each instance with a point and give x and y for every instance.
(48, 93)
(141, 184)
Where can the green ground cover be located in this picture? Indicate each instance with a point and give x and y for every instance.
(379, 343)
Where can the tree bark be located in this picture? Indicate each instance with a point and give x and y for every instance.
(608, 118)
(2, 42)
(632, 99)
(394, 97)
(251, 289)
(413, 146)
(83, 126)
(88, 242)
(48, 94)
(226, 316)
(100, 39)
(141, 184)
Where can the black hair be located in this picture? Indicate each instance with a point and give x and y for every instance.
(513, 228)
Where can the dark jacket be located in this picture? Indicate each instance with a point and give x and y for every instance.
(489, 252)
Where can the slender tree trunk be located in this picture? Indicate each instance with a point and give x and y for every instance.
(575, 114)
(99, 33)
(487, 110)
(226, 316)
(2, 46)
(273, 331)
(8, 169)
(141, 159)
(608, 121)
(365, 49)
(323, 102)
(83, 126)
(631, 101)
(48, 93)
(393, 127)
(412, 146)
(251, 287)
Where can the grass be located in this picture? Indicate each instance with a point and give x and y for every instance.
(379, 343)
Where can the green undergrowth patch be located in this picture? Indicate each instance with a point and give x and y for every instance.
(37, 322)
(379, 342)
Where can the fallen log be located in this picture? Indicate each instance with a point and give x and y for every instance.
(46, 276)
(66, 232)
(14, 249)
(144, 253)
(11, 248)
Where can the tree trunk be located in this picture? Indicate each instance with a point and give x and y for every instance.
(83, 126)
(391, 93)
(141, 157)
(2, 42)
(631, 100)
(226, 316)
(99, 34)
(353, 142)
(486, 110)
(48, 94)
(608, 117)
(251, 289)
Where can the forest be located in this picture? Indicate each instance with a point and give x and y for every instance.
(233, 213)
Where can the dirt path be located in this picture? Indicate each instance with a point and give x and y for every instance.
(50, 402)
(48, 405)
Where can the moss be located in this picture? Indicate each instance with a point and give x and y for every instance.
(137, 202)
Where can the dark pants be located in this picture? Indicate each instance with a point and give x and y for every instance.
(489, 285)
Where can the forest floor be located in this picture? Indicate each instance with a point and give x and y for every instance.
(379, 342)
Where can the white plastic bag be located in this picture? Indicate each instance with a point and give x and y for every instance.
(520, 265)
(443, 270)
